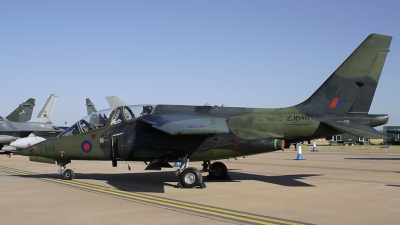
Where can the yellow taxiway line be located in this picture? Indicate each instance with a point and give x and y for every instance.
(160, 201)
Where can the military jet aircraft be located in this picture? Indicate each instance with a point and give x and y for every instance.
(45, 116)
(90, 107)
(115, 101)
(46, 113)
(23, 112)
(159, 134)
(22, 125)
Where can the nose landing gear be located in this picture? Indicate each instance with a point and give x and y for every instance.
(68, 174)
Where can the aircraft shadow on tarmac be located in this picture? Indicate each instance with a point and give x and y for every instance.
(156, 181)
(394, 185)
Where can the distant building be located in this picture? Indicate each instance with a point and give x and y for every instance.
(393, 139)
(348, 139)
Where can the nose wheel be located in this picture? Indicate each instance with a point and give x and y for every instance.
(68, 174)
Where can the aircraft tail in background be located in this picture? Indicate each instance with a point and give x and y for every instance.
(45, 115)
(90, 107)
(23, 112)
(115, 101)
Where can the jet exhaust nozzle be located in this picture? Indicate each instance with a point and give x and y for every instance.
(261, 145)
(279, 144)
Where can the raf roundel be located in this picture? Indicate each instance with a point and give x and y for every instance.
(86, 146)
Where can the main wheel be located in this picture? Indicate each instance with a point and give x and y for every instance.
(219, 171)
(190, 177)
(68, 174)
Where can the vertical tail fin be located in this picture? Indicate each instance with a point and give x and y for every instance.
(352, 86)
(45, 115)
(23, 112)
(90, 107)
(115, 101)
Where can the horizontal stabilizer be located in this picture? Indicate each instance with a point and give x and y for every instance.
(358, 130)
(187, 124)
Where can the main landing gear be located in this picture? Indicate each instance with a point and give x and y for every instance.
(189, 177)
(216, 171)
(68, 174)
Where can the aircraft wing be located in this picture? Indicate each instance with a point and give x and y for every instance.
(358, 130)
(177, 124)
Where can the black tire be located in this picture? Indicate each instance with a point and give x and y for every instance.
(219, 171)
(190, 177)
(68, 174)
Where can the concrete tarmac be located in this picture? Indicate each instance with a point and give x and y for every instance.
(327, 187)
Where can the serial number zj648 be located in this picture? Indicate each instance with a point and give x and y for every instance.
(297, 118)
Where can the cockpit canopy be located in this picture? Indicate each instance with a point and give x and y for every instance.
(101, 118)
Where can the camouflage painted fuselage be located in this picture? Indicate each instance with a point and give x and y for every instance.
(169, 132)
(250, 131)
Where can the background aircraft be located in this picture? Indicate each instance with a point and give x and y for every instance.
(23, 112)
(115, 101)
(38, 128)
(90, 107)
(32, 139)
(160, 134)
(46, 114)
(10, 131)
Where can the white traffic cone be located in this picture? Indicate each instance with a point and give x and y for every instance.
(314, 148)
(299, 154)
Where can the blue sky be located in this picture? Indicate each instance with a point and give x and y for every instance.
(237, 53)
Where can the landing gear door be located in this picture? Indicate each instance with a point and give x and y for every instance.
(117, 146)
